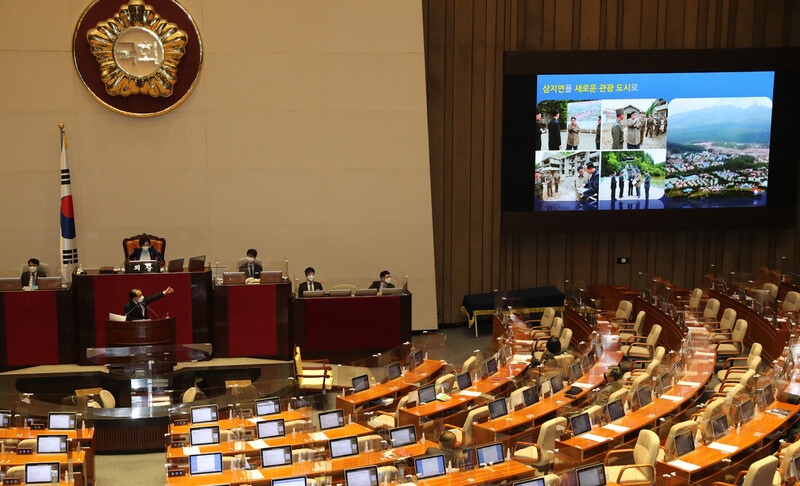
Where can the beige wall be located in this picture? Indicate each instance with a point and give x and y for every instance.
(305, 138)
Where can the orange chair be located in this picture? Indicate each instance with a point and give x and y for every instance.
(129, 244)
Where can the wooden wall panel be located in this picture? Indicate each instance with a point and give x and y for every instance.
(465, 41)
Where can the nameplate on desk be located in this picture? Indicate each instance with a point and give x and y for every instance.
(616, 428)
(176, 473)
(686, 466)
(672, 398)
(12, 481)
(704, 353)
(37, 427)
(595, 438)
(585, 386)
(178, 445)
(468, 393)
(180, 422)
(723, 447)
(688, 383)
(188, 451)
(24, 452)
(258, 444)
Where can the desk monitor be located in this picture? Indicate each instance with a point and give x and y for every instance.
(719, 426)
(589, 360)
(313, 293)
(505, 354)
(530, 482)
(276, 456)
(394, 291)
(175, 265)
(346, 446)
(331, 420)
(575, 371)
(61, 420)
(362, 476)
(615, 410)
(49, 283)
(364, 292)
(393, 370)
(143, 266)
(403, 436)
(340, 293)
(592, 475)
(10, 283)
(204, 435)
(271, 428)
(498, 408)
(271, 276)
(490, 365)
(205, 463)
(644, 396)
(430, 467)
(204, 414)
(530, 396)
(746, 410)
(684, 443)
(267, 406)
(42, 472)
(5, 419)
(233, 278)
(197, 263)
(51, 444)
(360, 383)
(766, 395)
(427, 394)
(665, 382)
(418, 357)
(580, 424)
(490, 454)
(556, 383)
(464, 380)
(294, 481)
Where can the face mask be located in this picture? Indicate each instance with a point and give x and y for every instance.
(250, 259)
(388, 280)
(32, 268)
(145, 248)
(140, 299)
(310, 278)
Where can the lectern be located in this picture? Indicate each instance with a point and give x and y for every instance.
(140, 333)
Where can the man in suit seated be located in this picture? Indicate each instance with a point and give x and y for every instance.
(613, 375)
(146, 252)
(384, 283)
(136, 308)
(250, 268)
(309, 284)
(31, 277)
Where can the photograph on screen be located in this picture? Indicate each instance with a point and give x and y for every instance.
(566, 180)
(642, 123)
(576, 126)
(636, 177)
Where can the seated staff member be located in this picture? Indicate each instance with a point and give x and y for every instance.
(384, 283)
(309, 284)
(613, 376)
(146, 252)
(33, 274)
(552, 349)
(136, 308)
(250, 268)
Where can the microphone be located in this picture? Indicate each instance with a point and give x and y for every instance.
(154, 312)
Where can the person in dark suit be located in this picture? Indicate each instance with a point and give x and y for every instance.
(646, 185)
(146, 252)
(537, 134)
(384, 283)
(554, 132)
(309, 284)
(31, 277)
(621, 184)
(614, 185)
(250, 268)
(591, 188)
(136, 308)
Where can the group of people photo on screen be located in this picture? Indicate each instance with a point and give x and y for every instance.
(604, 149)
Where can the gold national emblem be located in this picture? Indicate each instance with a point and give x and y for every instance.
(138, 51)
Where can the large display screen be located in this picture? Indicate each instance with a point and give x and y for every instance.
(653, 140)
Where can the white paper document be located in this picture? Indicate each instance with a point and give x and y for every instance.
(468, 393)
(616, 428)
(686, 466)
(318, 436)
(257, 444)
(672, 398)
(723, 447)
(188, 451)
(585, 386)
(689, 383)
(704, 353)
(596, 438)
(254, 474)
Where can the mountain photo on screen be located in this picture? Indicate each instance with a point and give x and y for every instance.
(718, 149)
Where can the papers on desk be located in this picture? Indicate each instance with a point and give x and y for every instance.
(318, 436)
(523, 342)
(688, 383)
(596, 438)
(698, 330)
(254, 474)
(521, 359)
(672, 398)
(704, 353)
(255, 420)
(722, 447)
(616, 428)
(188, 451)
(585, 386)
(257, 444)
(468, 393)
(686, 466)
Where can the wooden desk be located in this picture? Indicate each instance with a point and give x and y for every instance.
(422, 374)
(484, 475)
(759, 329)
(44, 317)
(11, 459)
(83, 440)
(230, 424)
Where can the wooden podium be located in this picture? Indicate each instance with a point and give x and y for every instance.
(140, 333)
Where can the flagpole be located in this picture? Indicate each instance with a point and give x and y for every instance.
(68, 243)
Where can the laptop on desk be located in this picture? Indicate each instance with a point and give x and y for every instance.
(197, 263)
(49, 283)
(10, 283)
(175, 265)
(271, 276)
(230, 278)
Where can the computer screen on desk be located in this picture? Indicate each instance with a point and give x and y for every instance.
(615, 410)
(61, 421)
(490, 454)
(10, 283)
(490, 366)
(175, 265)
(575, 371)
(766, 395)
(530, 482)
(331, 420)
(271, 428)
(346, 446)
(267, 406)
(427, 394)
(418, 357)
(205, 463)
(580, 424)
(271, 276)
(644, 396)
(498, 408)
(393, 370)
(42, 472)
(5, 419)
(392, 291)
(556, 383)
(429, 467)
(295, 481)
(204, 414)
(197, 263)
(51, 444)
(684, 443)
(360, 383)
(402, 436)
(229, 278)
(589, 360)
(276, 456)
(530, 396)
(204, 435)
(362, 476)
(464, 380)
(592, 475)
(719, 426)
(746, 410)
(49, 283)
